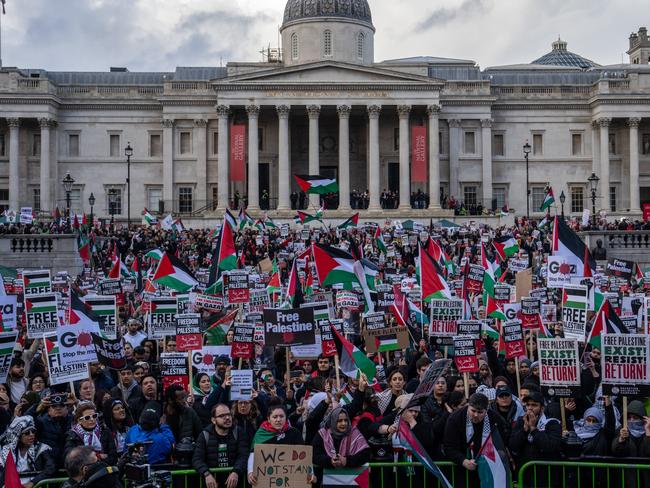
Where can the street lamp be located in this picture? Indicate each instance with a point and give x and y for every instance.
(91, 202)
(526, 153)
(593, 185)
(562, 200)
(68, 181)
(128, 152)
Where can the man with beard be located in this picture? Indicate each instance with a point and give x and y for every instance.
(149, 398)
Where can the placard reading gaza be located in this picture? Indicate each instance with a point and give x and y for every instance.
(444, 316)
(289, 326)
(625, 365)
(559, 367)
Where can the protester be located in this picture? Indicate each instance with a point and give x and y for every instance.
(151, 429)
(87, 431)
(118, 420)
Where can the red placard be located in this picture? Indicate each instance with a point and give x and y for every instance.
(238, 152)
(327, 338)
(465, 354)
(513, 339)
(419, 156)
(188, 342)
(242, 344)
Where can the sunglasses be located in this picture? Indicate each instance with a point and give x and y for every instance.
(92, 416)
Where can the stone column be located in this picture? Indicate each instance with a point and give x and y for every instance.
(344, 156)
(404, 112)
(201, 136)
(434, 156)
(486, 145)
(46, 165)
(604, 163)
(635, 205)
(168, 164)
(284, 169)
(14, 169)
(313, 112)
(595, 149)
(454, 150)
(223, 150)
(253, 158)
(373, 156)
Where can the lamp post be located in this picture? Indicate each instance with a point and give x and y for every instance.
(112, 197)
(128, 152)
(91, 202)
(526, 153)
(68, 181)
(593, 185)
(562, 200)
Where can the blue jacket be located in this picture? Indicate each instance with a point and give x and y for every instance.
(163, 441)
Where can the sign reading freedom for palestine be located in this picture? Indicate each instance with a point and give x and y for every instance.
(289, 327)
(625, 365)
(559, 367)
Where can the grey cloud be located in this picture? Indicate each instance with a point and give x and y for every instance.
(443, 16)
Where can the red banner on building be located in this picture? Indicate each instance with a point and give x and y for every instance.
(238, 153)
(419, 155)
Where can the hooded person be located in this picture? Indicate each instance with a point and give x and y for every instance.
(150, 428)
(634, 441)
(595, 430)
(207, 393)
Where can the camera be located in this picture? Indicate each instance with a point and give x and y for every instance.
(137, 470)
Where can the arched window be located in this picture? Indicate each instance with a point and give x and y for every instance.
(327, 43)
(360, 45)
(294, 46)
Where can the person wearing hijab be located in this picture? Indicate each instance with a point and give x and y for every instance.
(87, 431)
(29, 454)
(118, 420)
(634, 441)
(339, 445)
(206, 395)
(595, 430)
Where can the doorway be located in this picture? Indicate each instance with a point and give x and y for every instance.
(393, 177)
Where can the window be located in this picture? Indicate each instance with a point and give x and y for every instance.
(327, 43)
(36, 145)
(538, 144)
(215, 143)
(155, 145)
(73, 145)
(114, 201)
(470, 143)
(114, 143)
(76, 205)
(260, 139)
(576, 144)
(396, 139)
(361, 39)
(36, 200)
(577, 199)
(612, 198)
(441, 143)
(499, 194)
(469, 195)
(645, 144)
(185, 199)
(538, 193)
(154, 195)
(215, 197)
(4, 199)
(3, 145)
(497, 145)
(612, 143)
(185, 142)
(294, 46)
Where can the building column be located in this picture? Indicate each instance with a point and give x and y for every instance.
(595, 149)
(373, 156)
(635, 205)
(313, 112)
(454, 150)
(201, 136)
(223, 150)
(434, 156)
(344, 156)
(404, 112)
(14, 169)
(46, 165)
(284, 169)
(253, 112)
(604, 163)
(486, 145)
(168, 164)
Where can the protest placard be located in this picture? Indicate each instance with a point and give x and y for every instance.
(549, 313)
(559, 272)
(7, 344)
(26, 215)
(531, 313)
(162, 317)
(41, 315)
(259, 299)
(540, 293)
(465, 355)
(243, 346)
(203, 360)
(76, 343)
(174, 370)
(282, 466)
(62, 373)
(473, 283)
(188, 332)
(321, 309)
(559, 367)
(347, 299)
(620, 268)
(109, 287)
(517, 264)
(574, 311)
(513, 338)
(235, 283)
(502, 294)
(523, 283)
(625, 366)
(8, 312)
(105, 309)
(37, 282)
(287, 327)
(327, 337)
(242, 384)
(110, 352)
(385, 299)
(444, 317)
(379, 337)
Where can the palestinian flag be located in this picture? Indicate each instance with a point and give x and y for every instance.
(244, 219)
(294, 296)
(493, 310)
(493, 467)
(305, 218)
(36, 279)
(230, 218)
(155, 254)
(432, 283)
(81, 313)
(83, 247)
(119, 269)
(308, 286)
(638, 275)
(268, 222)
(101, 306)
(51, 346)
(274, 285)
(575, 298)
(172, 273)
(353, 361)
(379, 241)
(492, 272)
(544, 332)
(178, 226)
(216, 332)
(318, 185)
(148, 218)
(351, 222)
(40, 303)
(568, 244)
(333, 265)
(545, 221)
(386, 343)
(549, 199)
(407, 439)
(355, 477)
(606, 322)
(489, 331)
(7, 343)
(505, 246)
(227, 258)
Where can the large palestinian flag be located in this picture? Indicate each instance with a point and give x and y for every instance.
(333, 265)
(431, 280)
(305, 218)
(316, 184)
(407, 439)
(505, 246)
(351, 222)
(353, 361)
(355, 477)
(568, 244)
(606, 322)
(81, 313)
(172, 273)
(227, 259)
(294, 288)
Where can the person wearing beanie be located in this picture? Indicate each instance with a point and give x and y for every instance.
(633, 440)
(151, 428)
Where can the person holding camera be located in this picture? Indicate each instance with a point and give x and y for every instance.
(87, 431)
(221, 445)
(53, 425)
(151, 429)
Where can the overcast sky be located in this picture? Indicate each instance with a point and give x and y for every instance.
(158, 35)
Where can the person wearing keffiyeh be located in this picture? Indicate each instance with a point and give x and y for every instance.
(87, 431)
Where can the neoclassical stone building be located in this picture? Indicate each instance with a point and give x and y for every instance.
(325, 106)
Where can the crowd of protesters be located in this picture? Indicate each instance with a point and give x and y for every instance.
(349, 421)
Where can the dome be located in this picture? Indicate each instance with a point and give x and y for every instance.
(357, 10)
(559, 56)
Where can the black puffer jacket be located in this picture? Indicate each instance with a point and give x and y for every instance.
(73, 440)
(52, 432)
(207, 453)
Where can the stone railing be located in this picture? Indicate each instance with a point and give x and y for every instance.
(109, 91)
(629, 245)
(541, 91)
(466, 88)
(53, 251)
